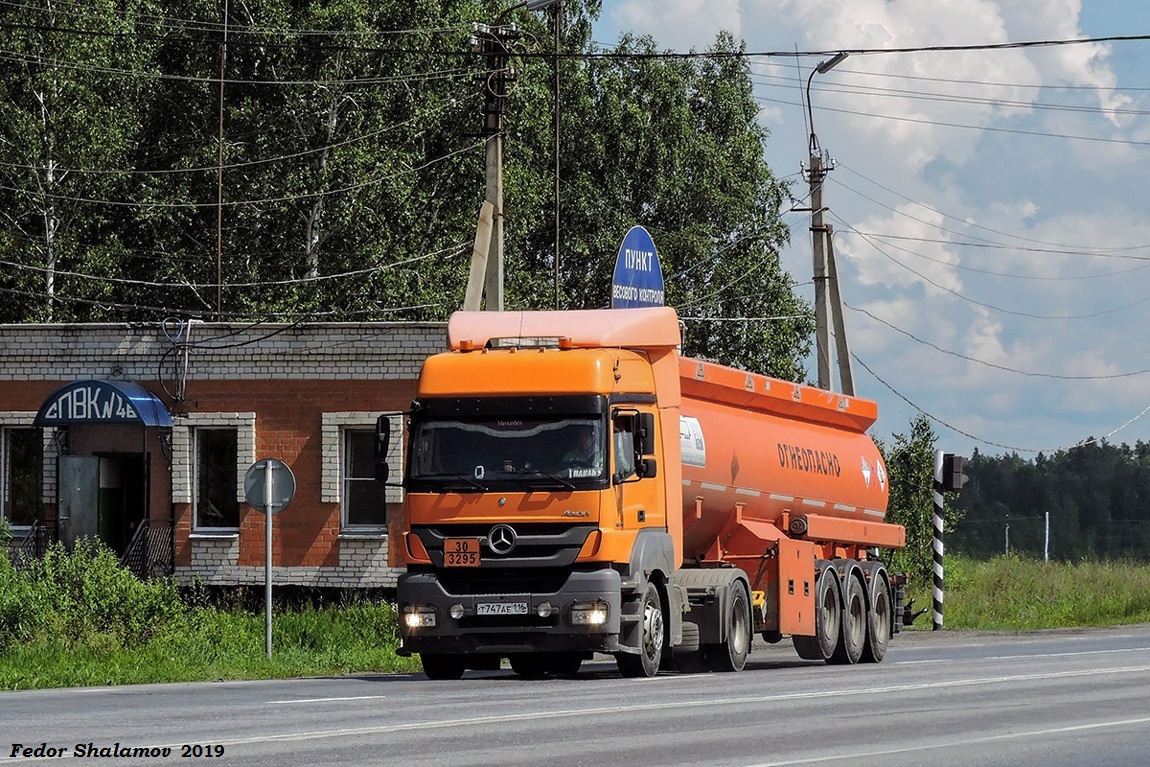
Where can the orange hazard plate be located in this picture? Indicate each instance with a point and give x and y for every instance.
(461, 552)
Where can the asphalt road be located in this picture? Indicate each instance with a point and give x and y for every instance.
(947, 699)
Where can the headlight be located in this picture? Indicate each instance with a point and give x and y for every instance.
(589, 613)
(418, 616)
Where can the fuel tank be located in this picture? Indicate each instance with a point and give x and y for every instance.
(775, 448)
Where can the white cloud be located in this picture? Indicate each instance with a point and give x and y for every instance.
(984, 210)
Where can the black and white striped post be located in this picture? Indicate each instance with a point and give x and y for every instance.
(936, 614)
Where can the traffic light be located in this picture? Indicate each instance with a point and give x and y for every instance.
(953, 472)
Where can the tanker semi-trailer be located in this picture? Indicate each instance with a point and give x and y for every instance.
(573, 485)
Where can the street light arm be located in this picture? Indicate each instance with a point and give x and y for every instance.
(820, 69)
(531, 5)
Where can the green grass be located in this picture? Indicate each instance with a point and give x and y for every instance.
(79, 619)
(1015, 594)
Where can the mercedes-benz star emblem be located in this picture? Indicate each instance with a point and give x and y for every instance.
(501, 539)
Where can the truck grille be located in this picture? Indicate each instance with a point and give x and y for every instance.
(534, 545)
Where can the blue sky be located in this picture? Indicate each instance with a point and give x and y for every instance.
(992, 226)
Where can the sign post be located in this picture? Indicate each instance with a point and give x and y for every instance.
(269, 487)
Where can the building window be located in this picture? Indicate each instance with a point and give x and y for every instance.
(363, 502)
(21, 475)
(214, 494)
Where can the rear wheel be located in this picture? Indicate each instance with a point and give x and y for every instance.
(651, 641)
(441, 666)
(828, 619)
(850, 649)
(878, 621)
(732, 654)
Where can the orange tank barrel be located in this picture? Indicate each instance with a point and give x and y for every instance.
(776, 451)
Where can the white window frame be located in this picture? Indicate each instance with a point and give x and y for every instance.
(334, 426)
(17, 419)
(195, 452)
(184, 458)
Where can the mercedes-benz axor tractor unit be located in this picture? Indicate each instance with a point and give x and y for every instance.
(573, 485)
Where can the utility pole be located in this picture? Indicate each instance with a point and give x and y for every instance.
(494, 44)
(824, 271)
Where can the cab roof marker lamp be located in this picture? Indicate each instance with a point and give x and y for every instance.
(467, 345)
(528, 342)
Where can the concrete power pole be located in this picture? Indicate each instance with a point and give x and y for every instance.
(828, 301)
(492, 44)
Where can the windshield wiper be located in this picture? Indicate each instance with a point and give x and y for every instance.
(553, 477)
(466, 478)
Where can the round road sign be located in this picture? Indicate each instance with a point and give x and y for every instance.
(269, 485)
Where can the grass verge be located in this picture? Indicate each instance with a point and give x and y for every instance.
(1017, 594)
(79, 619)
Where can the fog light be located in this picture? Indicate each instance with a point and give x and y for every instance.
(589, 613)
(456, 611)
(419, 616)
(545, 610)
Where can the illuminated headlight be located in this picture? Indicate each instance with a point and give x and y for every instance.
(418, 616)
(589, 613)
(456, 611)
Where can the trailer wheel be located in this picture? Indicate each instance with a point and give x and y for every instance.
(850, 649)
(651, 641)
(828, 619)
(732, 654)
(440, 666)
(878, 621)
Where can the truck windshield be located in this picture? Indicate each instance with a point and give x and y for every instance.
(473, 454)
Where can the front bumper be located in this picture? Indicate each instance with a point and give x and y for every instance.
(506, 634)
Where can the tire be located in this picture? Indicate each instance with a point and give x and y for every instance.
(828, 619)
(688, 657)
(731, 655)
(439, 666)
(565, 664)
(652, 637)
(855, 619)
(530, 665)
(879, 620)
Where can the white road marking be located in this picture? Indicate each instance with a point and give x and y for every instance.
(326, 700)
(665, 706)
(856, 755)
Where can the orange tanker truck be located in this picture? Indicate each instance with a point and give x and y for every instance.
(574, 485)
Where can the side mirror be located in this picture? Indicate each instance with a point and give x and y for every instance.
(647, 468)
(382, 442)
(646, 435)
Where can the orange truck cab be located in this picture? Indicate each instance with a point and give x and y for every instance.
(573, 485)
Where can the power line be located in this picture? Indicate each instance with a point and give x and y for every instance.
(1033, 374)
(1000, 309)
(956, 430)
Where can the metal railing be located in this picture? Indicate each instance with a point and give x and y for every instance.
(149, 553)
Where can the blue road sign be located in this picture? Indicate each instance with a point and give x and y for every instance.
(638, 278)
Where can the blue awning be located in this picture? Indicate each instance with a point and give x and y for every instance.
(102, 402)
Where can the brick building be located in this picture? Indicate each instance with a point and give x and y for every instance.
(140, 435)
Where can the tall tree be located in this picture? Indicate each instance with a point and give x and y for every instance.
(910, 467)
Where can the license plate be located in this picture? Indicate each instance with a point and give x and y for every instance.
(461, 552)
(501, 608)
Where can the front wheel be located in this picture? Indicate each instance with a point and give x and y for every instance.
(651, 641)
(440, 666)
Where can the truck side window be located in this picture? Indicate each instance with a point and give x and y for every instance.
(624, 443)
